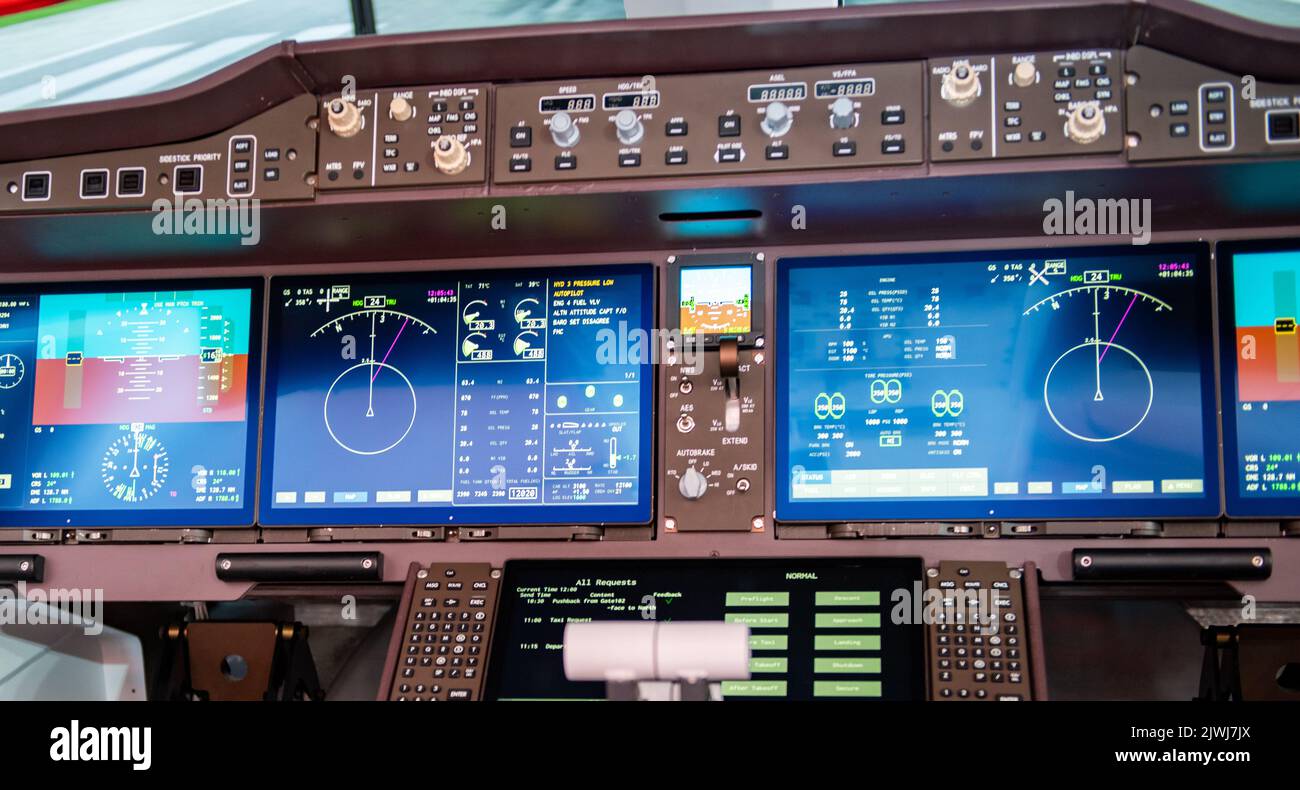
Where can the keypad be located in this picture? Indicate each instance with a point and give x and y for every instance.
(447, 632)
(975, 646)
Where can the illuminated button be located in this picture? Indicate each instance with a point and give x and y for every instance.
(1215, 95)
(1216, 116)
(1179, 107)
(1179, 130)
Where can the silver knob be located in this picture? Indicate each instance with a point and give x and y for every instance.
(563, 130)
(842, 115)
(692, 484)
(1086, 124)
(961, 85)
(627, 124)
(777, 119)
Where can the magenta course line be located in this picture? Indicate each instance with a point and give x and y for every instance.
(1108, 342)
(380, 366)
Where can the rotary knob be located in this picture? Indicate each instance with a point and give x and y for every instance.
(343, 116)
(1024, 74)
(627, 124)
(777, 119)
(399, 109)
(961, 85)
(450, 155)
(692, 484)
(1086, 124)
(842, 115)
(563, 130)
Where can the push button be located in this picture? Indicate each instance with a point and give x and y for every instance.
(675, 128)
(844, 148)
(521, 136)
(777, 152)
(629, 160)
(892, 117)
(675, 157)
(521, 165)
(728, 125)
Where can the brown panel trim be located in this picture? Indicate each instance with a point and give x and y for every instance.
(1034, 615)
(399, 632)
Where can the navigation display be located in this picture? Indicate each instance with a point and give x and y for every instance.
(1039, 384)
(1259, 291)
(716, 300)
(467, 398)
(128, 404)
(819, 629)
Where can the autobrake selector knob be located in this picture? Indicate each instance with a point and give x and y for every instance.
(777, 119)
(563, 130)
(343, 117)
(1086, 124)
(1024, 74)
(450, 155)
(628, 126)
(842, 114)
(961, 85)
(692, 484)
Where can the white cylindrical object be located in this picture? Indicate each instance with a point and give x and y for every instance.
(610, 651)
(703, 651)
(649, 650)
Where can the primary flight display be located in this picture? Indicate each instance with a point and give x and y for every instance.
(460, 398)
(1039, 384)
(128, 404)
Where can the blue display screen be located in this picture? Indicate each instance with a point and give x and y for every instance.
(1259, 290)
(1058, 384)
(487, 397)
(128, 404)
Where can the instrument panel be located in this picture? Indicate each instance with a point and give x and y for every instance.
(483, 398)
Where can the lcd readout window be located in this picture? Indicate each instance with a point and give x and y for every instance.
(129, 407)
(1051, 385)
(715, 300)
(819, 629)
(1261, 302)
(482, 397)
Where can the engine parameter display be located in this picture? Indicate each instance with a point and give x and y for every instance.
(716, 300)
(128, 404)
(459, 398)
(1059, 384)
(819, 629)
(1259, 288)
